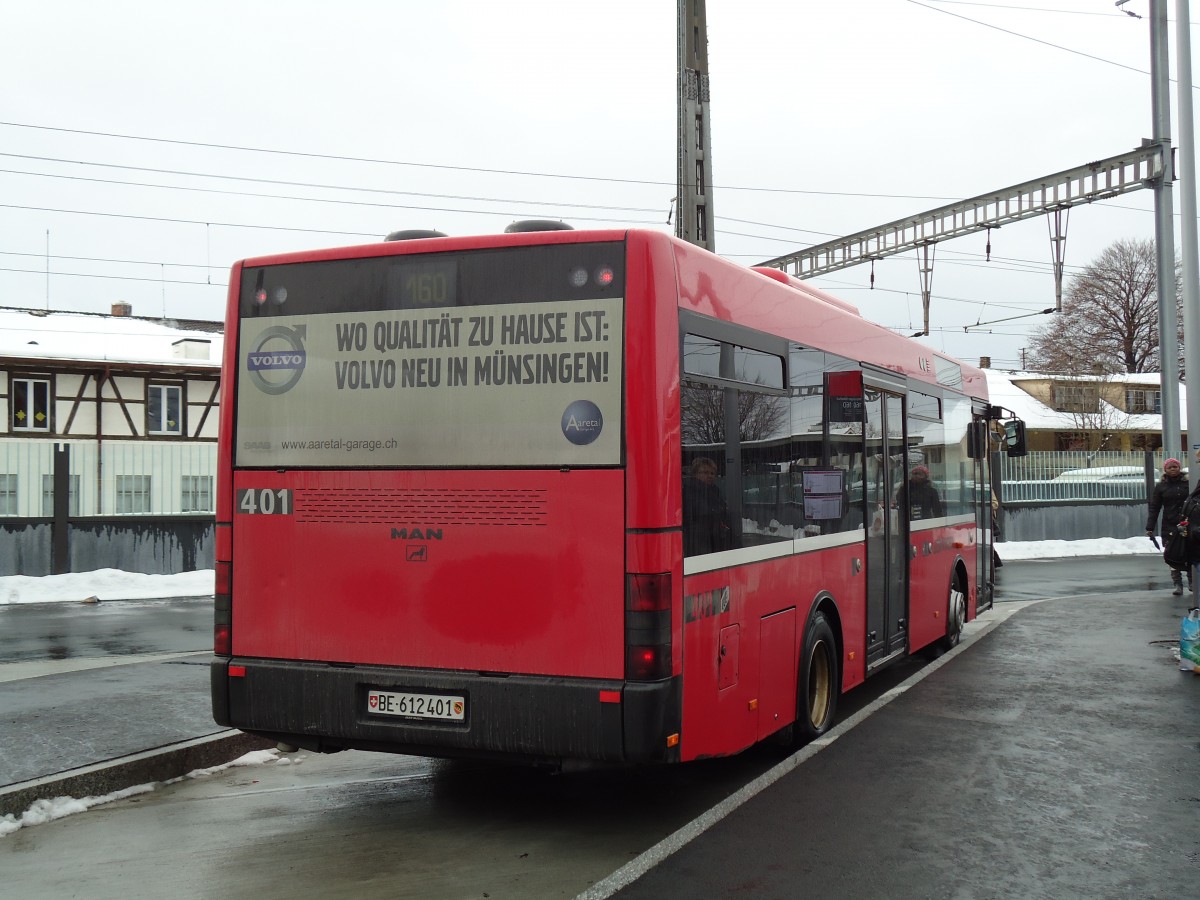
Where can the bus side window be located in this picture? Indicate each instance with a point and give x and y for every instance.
(708, 526)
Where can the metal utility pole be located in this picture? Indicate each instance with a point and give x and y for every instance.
(1188, 251)
(693, 199)
(1164, 230)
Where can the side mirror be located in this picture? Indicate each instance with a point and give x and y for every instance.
(977, 440)
(1014, 438)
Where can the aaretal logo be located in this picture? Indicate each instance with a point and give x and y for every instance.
(277, 359)
(582, 422)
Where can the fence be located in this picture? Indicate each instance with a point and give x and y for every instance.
(75, 506)
(1071, 475)
(113, 478)
(1074, 495)
(148, 505)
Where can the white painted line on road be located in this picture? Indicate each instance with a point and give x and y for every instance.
(639, 866)
(19, 671)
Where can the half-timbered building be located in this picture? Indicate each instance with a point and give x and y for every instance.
(106, 419)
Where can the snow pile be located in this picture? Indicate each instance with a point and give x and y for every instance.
(104, 584)
(43, 811)
(1059, 549)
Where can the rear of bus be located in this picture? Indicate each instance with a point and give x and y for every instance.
(434, 528)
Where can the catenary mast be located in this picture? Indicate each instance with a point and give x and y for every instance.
(693, 198)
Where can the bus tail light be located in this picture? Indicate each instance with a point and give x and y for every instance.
(224, 579)
(223, 610)
(648, 593)
(648, 627)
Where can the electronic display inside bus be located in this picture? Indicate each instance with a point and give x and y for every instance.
(423, 283)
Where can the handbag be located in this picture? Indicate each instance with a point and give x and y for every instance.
(1189, 642)
(1175, 547)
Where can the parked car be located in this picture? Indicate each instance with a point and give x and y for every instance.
(1101, 483)
(1106, 474)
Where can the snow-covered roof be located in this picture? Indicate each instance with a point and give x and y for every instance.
(91, 337)
(1004, 390)
(1132, 379)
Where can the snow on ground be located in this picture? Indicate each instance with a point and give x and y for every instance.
(1058, 549)
(104, 584)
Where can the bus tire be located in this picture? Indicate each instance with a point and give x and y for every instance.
(819, 682)
(956, 614)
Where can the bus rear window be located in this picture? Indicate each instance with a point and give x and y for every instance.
(435, 281)
(505, 357)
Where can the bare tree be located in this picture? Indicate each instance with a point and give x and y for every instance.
(760, 416)
(1109, 321)
(703, 412)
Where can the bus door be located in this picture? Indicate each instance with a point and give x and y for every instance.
(985, 521)
(887, 530)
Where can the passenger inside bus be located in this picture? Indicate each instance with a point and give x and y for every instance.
(921, 497)
(707, 525)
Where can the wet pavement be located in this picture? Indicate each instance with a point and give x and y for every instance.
(1038, 579)
(75, 631)
(55, 723)
(1057, 757)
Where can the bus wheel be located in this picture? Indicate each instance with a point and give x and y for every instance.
(956, 615)
(819, 682)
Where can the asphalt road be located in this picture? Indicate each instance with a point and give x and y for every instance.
(148, 660)
(366, 825)
(1013, 711)
(1037, 579)
(32, 632)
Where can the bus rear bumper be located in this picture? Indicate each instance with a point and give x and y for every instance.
(323, 707)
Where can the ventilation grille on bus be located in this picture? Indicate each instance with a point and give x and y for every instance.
(441, 507)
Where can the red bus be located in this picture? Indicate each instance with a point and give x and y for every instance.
(577, 495)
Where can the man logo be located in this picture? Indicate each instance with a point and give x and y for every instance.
(582, 422)
(277, 360)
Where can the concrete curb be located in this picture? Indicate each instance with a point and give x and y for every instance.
(159, 764)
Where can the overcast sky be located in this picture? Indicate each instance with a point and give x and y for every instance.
(286, 126)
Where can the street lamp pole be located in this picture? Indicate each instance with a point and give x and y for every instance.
(1164, 231)
(1187, 235)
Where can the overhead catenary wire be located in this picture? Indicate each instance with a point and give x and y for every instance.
(374, 235)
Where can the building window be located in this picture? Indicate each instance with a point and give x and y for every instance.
(29, 404)
(1083, 398)
(164, 409)
(1067, 440)
(1143, 401)
(8, 495)
(48, 496)
(133, 494)
(196, 493)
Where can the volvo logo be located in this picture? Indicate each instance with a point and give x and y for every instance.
(277, 360)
